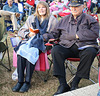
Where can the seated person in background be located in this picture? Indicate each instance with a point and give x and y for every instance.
(74, 31)
(98, 6)
(44, 23)
(93, 5)
(30, 4)
(1, 6)
(49, 1)
(10, 12)
(85, 7)
(65, 1)
(56, 7)
(20, 8)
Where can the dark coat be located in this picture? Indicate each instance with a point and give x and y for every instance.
(85, 26)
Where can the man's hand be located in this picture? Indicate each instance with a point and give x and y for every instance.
(77, 36)
(17, 15)
(51, 40)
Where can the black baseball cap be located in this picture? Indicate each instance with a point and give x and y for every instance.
(76, 3)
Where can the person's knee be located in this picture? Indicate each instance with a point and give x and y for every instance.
(55, 50)
(91, 51)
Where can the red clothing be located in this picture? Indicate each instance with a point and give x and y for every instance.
(31, 2)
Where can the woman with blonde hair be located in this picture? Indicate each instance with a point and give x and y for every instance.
(36, 27)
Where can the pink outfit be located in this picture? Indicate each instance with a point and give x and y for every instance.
(99, 77)
(53, 6)
(43, 0)
(41, 65)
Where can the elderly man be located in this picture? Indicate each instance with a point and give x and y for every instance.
(10, 12)
(77, 34)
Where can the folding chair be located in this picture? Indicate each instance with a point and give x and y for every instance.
(70, 66)
(4, 44)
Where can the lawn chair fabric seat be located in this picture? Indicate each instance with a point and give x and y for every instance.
(42, 63)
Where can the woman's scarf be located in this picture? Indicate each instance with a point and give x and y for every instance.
(38, 41)
(42, 27)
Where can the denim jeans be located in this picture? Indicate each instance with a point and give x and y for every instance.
(98, 5)
(20, 18)
(92, 6)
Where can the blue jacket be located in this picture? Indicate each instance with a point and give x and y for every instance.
(14, 8)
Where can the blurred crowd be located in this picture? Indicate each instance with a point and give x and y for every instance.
(23, 9)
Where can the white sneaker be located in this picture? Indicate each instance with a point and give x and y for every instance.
(15, 75)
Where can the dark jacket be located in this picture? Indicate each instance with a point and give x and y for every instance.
(85, 26)
(98, 1)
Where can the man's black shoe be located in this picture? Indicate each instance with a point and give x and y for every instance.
(17, 87)
(73, 86)
(62, 88)
(24, 88)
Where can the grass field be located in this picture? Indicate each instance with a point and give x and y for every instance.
(38, 87)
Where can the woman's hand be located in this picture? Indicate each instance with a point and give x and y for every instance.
(31, 34)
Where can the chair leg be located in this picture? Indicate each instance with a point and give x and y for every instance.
(71, 79)
(8, 57)
(70, 69)
(46, 78)
(76, 70)
(9, 68)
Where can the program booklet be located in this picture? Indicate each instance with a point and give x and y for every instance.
(15, 41)
(36, 31)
